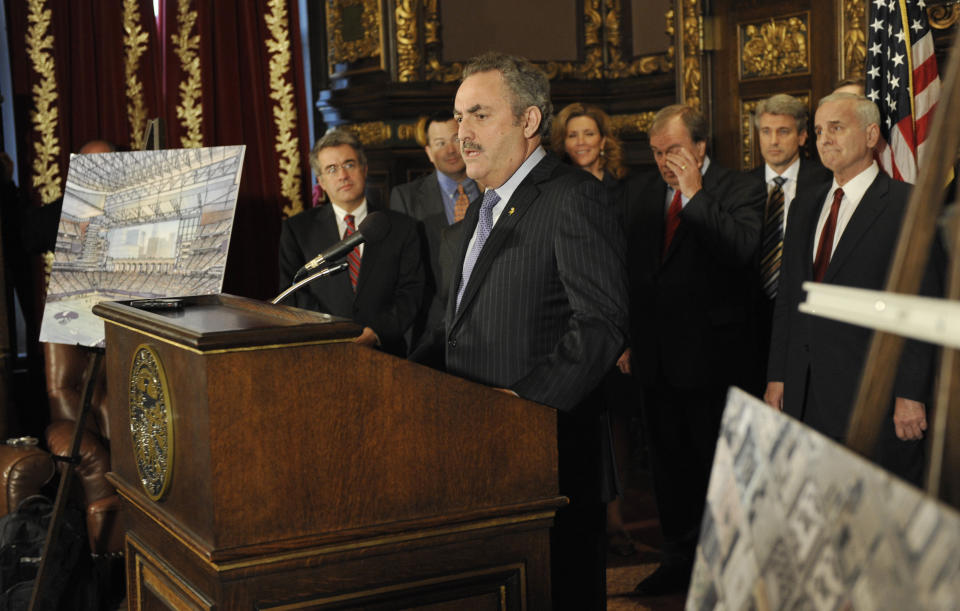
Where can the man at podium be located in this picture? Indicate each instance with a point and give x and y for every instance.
(537, 306)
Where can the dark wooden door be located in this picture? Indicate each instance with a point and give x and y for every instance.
(766, 47)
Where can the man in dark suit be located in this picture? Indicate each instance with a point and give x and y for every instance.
(846, 234)
(537, 306)
(437, 200)
(781, 123)
(693, 236)
(383, 287)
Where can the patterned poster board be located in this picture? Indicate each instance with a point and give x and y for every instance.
(796, 521)
(141, 224)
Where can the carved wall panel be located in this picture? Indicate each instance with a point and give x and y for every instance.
(773, 48)
(690, 57)
(853, 37)
(599, 30)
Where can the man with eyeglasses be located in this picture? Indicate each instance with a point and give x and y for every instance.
(382, 289)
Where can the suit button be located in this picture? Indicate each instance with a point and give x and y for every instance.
(452, 342)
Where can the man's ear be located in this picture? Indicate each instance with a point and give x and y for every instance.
(802, 137)
(873, 135)
(531, 121)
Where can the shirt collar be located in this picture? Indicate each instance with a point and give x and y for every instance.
(790, 173)
(359, 213)
(858, 185)
(506, 189)
(449, 185)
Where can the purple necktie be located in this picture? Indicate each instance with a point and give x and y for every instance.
(484, 225)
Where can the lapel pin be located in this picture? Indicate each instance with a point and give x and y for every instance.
(510, 211)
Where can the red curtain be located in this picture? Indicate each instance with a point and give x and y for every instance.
(222, 72)
(247, 88)
(69, 63)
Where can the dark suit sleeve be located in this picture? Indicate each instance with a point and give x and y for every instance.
(291, 257)
(392, 322)
(589, 248)
(915, 372)
(789, 285)
(398, 201)
(729, 218)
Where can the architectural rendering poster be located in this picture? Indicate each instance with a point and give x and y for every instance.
(143, 224)
(796, 521)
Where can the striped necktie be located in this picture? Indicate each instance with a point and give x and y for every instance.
(771, 245)
(354, 257)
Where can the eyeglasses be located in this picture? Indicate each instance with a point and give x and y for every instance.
(334, 168)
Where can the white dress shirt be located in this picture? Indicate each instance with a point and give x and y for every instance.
(789, 186)
(359, 214)
(505, 191)
(853, 192)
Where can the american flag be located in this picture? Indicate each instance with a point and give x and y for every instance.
(902, 80)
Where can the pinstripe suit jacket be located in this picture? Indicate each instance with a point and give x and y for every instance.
(545, 310)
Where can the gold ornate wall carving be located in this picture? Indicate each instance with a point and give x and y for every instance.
(601, 37)
(778, 47)
(186, 45)
(374, 133)
(853, 37)
(353, 31)
(943, 16)
(749, 157)
(46, 114)
(134, 45)
(435, 71)
(408, 55)
(690, 53)
(284, 109)
(632, 125)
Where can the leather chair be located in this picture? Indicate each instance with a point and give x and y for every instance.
(25, 470)
(65, 366)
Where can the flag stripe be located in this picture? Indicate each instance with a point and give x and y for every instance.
(903, 80)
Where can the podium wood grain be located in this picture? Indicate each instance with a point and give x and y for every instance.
(312, 472)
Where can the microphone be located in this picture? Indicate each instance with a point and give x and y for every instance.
(373, 229)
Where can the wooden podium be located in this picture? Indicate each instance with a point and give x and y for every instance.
(266, 462)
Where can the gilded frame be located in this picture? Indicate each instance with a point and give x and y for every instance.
(369, 46)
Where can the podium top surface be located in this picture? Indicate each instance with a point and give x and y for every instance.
(223, 322)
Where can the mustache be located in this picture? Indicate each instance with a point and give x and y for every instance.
(469, 145)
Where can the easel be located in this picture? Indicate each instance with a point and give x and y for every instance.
(909, 260)
(41, 598)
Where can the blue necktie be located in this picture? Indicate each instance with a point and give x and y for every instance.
(484, 225)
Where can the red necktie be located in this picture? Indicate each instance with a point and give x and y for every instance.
(673, 220)
(460, 206)
(354, 257)
(825, 247)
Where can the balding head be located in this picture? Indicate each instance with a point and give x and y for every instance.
(97, 146)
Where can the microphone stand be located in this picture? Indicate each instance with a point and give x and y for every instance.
(323, 272)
